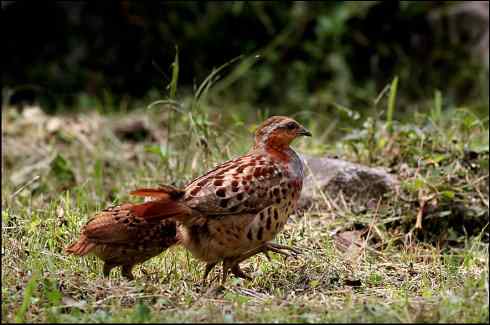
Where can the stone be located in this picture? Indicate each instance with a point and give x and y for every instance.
(355, 181)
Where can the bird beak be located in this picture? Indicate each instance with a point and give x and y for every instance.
(304, 132)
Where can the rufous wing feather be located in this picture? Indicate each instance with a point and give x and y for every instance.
(127, 223)
(81, 247)
(164, 191)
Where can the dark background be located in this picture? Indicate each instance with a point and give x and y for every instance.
(55, 51)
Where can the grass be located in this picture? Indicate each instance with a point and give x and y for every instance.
(58, 171)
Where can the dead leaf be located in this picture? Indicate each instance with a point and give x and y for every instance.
(349, 242)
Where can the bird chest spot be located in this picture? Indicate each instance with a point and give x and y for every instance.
(261, 216)
(241, 168)
(278, 200)
(239, 196)
(276, 215)
(249, 234)
(260, 233)
(224, 170)
(235, 189)
(218, 182)
(276, 191)
(195, 190)
(268, 224)
(234, 208)
(234, 183)
(258, 172)
(221, 192)
(224, 203)
(203, 182)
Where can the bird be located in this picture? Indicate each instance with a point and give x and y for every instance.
(120, 237)
(227, 215)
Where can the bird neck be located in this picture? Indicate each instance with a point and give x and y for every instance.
(277, 150)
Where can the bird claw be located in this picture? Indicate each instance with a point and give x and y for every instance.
(286, 251)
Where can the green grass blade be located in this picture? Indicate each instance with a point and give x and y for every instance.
(210, 77)
(437, 109)
(26, 302)
(391, 104)
(175, 74)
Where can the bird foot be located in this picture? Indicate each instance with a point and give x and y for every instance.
(280, 249)
(237, 271)
(232, 265)
(216, 291)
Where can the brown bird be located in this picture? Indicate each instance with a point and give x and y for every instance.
(229, 214)
(121, 237)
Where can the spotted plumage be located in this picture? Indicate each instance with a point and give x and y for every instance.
(123, 236)
(228, 214)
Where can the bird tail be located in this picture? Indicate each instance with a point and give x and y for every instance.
(166, 204)
(81, 247)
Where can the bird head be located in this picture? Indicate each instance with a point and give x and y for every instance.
(278, 132)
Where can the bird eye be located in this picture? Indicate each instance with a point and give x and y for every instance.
(291, 125)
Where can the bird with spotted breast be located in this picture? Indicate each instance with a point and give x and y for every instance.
(227, 215)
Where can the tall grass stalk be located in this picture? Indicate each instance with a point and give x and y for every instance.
(391, 105)
(28, 294)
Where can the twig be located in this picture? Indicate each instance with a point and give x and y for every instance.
(35, 178)
(364, 246)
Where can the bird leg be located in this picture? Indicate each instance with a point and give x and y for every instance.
(233, 263)
(280, 249)
(107, 269)
(226, 267)
(265, 249)
(126, 272)
(237, 271)
(229, 264)
(209, 267)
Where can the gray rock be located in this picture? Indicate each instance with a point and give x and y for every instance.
(357, 182)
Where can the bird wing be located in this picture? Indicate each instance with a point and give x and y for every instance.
(129, 222)
(246, 184)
